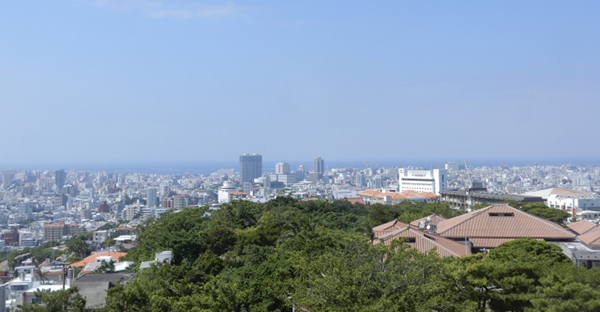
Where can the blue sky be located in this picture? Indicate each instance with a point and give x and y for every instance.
(190, 81)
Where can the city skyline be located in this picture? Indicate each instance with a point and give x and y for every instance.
(143, 82)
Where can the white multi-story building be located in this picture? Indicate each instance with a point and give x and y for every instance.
(580, 206)
(101, 236)
(432, 180)
(283, 178)
(224, 191)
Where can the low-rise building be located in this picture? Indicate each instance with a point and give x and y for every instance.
(479, 230)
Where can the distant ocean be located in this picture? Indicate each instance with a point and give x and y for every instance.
(269, 166)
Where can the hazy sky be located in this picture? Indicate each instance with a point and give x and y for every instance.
(169, 81)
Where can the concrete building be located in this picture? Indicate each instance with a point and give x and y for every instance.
(319, 166)
(225, 191)
(12, 237)
(151, 197)
(313, 177)
(60, 200)
(286, 179)
(282, 168)
(180, 201)
(58, 230)
(300, 173)
(100, 236)
(582, 207)
(432, 180)
(360, 180)
(461, 199)
(250, 167)
(130, 211)
(60, 177)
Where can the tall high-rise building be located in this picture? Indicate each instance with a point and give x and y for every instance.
(250, 167)
(60, 177)
(282, 168)
(151, 197)
(319, 166)
(360, 180)
(7, 179)
(300, 173)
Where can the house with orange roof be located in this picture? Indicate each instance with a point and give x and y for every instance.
(98, 257)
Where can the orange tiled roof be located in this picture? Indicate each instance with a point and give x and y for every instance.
(388, 227)
(394, 196)
(397, 196)
(479, 242)
(370, 193)
(434, 219)
(583, 227)
(355, 200)
(114, 254)
(410, 193)
(483, 223)
(428, 194)
(424, 242)
(590, 239)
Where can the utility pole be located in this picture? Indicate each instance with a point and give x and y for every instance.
(64, 271)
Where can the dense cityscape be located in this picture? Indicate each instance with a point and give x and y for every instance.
(234, 155)
(44, 206)
(34, 199)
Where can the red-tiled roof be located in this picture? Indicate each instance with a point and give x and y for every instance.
(501, 221)
(388, 227)
(583, 227)
(479, 242)
(114, 254)
(434, 219)
(590, 239)
(355, 200)
(405, 195)
(369, 193)
(424, 242)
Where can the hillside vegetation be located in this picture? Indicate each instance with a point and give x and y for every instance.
(317, 256)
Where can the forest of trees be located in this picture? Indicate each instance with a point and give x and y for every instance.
(317, 256)
(288, 255)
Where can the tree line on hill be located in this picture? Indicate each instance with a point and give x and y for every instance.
(317, 256)
(288, 255)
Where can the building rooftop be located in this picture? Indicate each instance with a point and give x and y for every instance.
(591, 239)
(93, 258)
(555, 191)
(425, 242)
(501, 221)
(583, 227)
